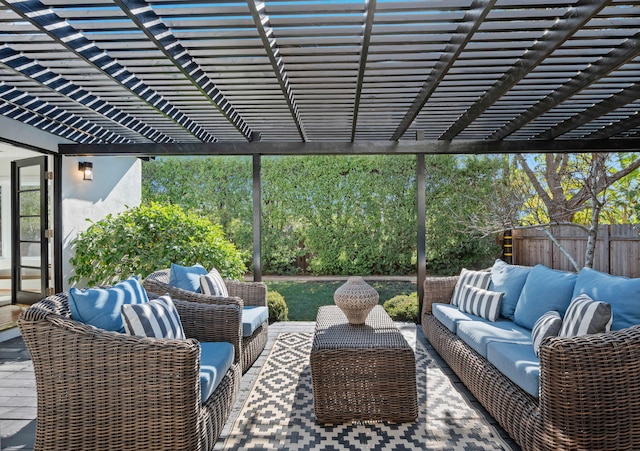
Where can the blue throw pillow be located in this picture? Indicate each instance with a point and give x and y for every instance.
(544, 290)
(508, 279)
(101, 307)
(186, 277)
(622, 293)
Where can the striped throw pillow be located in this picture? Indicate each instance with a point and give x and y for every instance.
(586, 316)
(480, 302)
(213, 285)
(157, 318)
(478, 279)
(548, 325)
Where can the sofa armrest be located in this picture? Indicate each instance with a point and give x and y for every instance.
(251, 293)
(437, 290)
(590, 389)
(212, 322)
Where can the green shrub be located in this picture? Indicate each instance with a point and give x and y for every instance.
(278, 310)
(403, 307)
(143, 239)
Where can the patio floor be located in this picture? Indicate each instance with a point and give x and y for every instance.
(18, 394)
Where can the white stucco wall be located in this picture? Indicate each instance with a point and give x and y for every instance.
(116, 186)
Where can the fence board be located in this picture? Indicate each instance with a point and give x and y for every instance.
(617, 248)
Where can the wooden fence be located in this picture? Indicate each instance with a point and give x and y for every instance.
(617, 248)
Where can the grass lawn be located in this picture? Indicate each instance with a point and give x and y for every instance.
(303, 298)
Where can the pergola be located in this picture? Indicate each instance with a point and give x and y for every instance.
(254, 77)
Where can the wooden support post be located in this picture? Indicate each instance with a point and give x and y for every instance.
(422, 229)
(257, 219)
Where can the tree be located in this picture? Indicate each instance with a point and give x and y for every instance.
(564, 189)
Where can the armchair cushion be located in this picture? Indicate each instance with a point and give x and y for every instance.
(157, 318)
(215, 360)
(186, 277)
(212, 284)
(101, 307)
(252, 318)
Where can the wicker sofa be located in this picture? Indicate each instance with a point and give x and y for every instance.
(243, 294)
(109, 390)
(589, 386)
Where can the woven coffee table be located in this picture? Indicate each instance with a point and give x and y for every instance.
(363, 372)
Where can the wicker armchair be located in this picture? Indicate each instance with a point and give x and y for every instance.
(240, 293)
(100, 390)
(589, 385)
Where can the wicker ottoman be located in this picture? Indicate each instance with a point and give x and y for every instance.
(363, 372)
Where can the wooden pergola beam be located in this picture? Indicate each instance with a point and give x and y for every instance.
(356, 148)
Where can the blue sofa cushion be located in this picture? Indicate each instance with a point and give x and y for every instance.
(101, 307)
(479, 333)
(252, 318)
(519, 363)
(449, 315)
(215, 360)
(622, 293)
(508, 279)
(544, 290)
(186, 277)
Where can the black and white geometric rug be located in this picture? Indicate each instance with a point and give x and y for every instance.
(278, 412)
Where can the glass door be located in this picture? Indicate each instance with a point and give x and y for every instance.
(30, 230)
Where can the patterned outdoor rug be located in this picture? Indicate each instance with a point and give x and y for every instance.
(278, 412)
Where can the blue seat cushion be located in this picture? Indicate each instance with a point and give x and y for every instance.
(622, 293)
(252, 318)
(479, 333)
(449, 315)
(509, 279)
(518, 362)
(215, 360)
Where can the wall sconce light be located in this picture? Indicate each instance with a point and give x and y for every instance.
(86, 168)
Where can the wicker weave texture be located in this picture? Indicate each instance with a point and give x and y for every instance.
(240, 293)
(589, 390)
(362, 372)
(101, 390)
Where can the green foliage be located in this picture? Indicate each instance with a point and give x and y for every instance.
(403, 307)
(278, 310)
(150, 237)
(338, 215)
